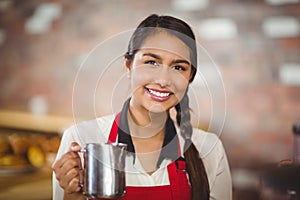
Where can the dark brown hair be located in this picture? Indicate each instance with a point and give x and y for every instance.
(180, 29)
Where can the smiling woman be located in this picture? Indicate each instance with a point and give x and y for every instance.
(166, 157)
(160, 74)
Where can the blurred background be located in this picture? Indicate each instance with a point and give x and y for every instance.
(255, 43)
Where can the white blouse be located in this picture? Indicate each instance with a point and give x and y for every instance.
(208, 144)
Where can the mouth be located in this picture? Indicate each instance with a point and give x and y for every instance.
(159, 95)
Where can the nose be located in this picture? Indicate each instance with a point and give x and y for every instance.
(163, 77)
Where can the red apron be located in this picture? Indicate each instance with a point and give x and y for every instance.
(179, 188)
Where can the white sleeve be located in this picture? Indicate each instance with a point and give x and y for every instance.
(215, 161)
(58, 192)
(221, 188)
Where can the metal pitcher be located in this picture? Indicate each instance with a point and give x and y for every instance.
(104, 170)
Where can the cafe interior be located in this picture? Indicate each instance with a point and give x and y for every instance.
(61, 62)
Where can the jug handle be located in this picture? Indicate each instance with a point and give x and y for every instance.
(81, 184)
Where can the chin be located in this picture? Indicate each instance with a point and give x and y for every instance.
(157, 108)
(160, 108)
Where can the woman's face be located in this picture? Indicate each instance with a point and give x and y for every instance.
(160, 72)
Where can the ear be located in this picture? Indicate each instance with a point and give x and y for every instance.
(127, 63)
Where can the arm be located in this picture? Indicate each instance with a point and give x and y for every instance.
(221, 188)
(215, 161)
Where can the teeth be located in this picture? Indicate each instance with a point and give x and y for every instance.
(159, 94)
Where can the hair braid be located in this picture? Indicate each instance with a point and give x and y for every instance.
(195, 167)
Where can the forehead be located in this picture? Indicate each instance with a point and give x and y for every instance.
(167, 43)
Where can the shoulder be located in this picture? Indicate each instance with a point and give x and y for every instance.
(208, 144)
(213, 155)
(95, 130)
(210, 148)
(90, 130)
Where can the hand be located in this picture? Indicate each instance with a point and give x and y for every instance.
(68, 170)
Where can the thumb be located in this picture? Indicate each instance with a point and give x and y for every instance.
(75, 147)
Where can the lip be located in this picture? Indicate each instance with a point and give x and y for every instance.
(158, 95)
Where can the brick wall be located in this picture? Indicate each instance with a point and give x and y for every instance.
(39, 64)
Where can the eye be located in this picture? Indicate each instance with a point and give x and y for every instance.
(151, 62)
(179, 67)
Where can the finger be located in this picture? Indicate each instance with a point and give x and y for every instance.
(72, 153)
(66, 164)
(73, 173)
(64, 158)
(73, 180)
(74, 185)
(75, 147)
(67, 179)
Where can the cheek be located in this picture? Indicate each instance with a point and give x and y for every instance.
(180, 81)
(181, 87)
(140, 77)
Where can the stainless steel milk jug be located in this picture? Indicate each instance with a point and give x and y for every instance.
(104, 170)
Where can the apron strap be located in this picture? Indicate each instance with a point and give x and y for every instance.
(114, 130)
(179, 183)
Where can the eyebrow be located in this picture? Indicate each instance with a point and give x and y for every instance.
(159, 58)
(152, 55)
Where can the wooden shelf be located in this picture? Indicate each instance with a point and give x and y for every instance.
(32, 122)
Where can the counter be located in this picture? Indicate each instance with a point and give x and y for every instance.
(34, 185)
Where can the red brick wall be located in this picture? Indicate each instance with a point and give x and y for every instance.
(260, 108)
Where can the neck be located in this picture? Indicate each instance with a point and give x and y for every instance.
(146, 124)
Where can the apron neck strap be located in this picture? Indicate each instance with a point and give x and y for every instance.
(114, 130)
